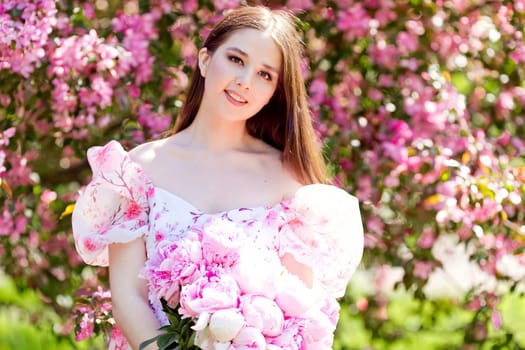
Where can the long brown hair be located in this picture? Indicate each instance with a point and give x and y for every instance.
(285, 122)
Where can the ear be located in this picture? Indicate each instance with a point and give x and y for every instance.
(204, 60)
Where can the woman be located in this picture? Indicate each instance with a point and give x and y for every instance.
(243, 149)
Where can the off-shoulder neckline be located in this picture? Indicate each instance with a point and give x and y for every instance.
(201, 212)
(222, 212)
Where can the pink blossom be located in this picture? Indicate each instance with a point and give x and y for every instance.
(364, 191)
(415, 27)
(154, 122)
(138, 30)
(460, 5)
(318, 91)
(118, 341)
(383, 54)
(497, 320)
(189, 6)
(398, 153)
(20, 224)
(86, 327)
(100, 62)
(354, 21)
(427, 238)
(5, 100)
(399, 131)
(386, 278)
(362, 304)
(375, 94)
(411, 64)
(6, 135)
(29, 31)
(407, 42)
(505, 101)
(384, 14)
(6, 221)
(89, 11)
(221, 5)
(299, 5)
(519, 5)
(385, 80)
(422, 269)
(104, 91)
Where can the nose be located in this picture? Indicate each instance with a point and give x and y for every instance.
(243, 80)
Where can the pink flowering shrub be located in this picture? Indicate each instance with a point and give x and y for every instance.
(420, 106)
(25, 28)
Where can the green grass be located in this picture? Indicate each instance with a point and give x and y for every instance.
(421, 325)
(28, 324)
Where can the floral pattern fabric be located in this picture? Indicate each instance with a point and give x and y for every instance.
(320, 225)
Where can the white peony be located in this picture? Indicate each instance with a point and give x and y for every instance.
(225, 324)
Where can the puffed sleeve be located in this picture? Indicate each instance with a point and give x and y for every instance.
(113, 207)
(322, 228)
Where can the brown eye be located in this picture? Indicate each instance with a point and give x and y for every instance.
(266, 76)
(235, 59)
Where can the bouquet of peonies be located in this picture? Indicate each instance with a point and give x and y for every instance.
(222, 289)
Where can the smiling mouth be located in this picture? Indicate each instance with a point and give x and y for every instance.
(236, 99)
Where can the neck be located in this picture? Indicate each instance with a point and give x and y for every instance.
(217, 136)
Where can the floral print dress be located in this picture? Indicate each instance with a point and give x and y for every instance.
(320, 226)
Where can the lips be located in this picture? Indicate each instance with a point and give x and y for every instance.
(235, 98)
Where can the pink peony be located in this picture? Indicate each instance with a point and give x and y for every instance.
(249, 338)
(208, 294)
(221, 241)
(256, 271)
(173, 264)
(292, 336)
(263, 314)
(289, 288)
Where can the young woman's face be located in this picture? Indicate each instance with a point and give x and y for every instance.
(241, 75)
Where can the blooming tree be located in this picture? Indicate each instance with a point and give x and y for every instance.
(420, 105)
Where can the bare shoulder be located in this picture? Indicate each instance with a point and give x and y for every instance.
(286, 180)
(290, 183)
(145, 153)
(270, 161)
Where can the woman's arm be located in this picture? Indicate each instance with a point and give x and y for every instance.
(129, 293)
(300, 270)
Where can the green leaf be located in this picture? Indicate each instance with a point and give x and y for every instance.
(144, 6)
(167, 341)
(462, 83)
(517, 162)
(148, 342)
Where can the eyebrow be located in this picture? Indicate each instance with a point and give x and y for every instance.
(267, 66)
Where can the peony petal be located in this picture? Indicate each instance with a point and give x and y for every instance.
(225, 324)
(202, 322)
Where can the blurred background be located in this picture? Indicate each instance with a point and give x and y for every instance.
(420, 106)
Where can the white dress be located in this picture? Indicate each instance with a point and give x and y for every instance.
(320, 225)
